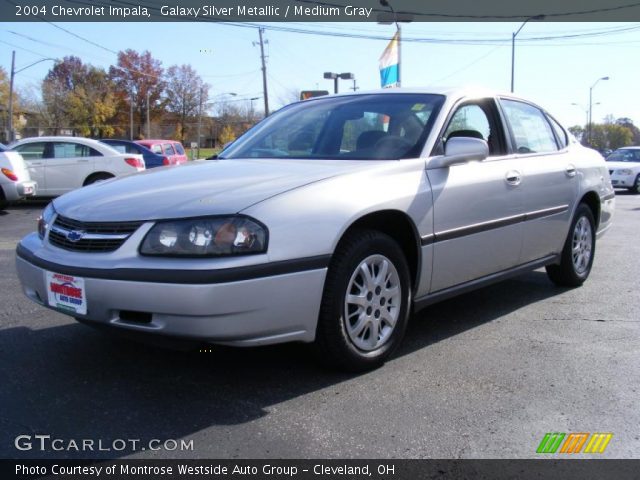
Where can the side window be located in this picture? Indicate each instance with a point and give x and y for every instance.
(530, 127)
(156, 148)
(73, 150)
(561, 135)
(468, 121)
(179, 149)
(168, 149)
(478, 120)
(32, 151)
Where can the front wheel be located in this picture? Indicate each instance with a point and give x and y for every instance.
(578, 252)
(636, 185)
(365, 304)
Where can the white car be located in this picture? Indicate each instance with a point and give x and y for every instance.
(62, 164)
(15, 182)
(624, 168)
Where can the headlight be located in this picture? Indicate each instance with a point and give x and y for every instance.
(210, 236)
(44, 220)
(624, 171)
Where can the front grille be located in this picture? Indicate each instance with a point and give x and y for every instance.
(91, 236)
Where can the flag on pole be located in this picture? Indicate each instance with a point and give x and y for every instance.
(389, 64)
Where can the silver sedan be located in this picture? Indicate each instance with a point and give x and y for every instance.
(328, 222)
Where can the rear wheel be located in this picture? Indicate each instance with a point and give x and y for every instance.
(578, 252)
(3, 201)
(96, 177)
(365, 304)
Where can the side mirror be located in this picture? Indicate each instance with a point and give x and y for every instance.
(461, 150)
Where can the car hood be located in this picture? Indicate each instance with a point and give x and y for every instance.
(200, 188)
(632, 165)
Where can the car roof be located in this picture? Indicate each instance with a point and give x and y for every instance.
(90, 142)
(156, 140)
(633, 147)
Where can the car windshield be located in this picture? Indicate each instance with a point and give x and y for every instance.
(365, 127)
(625, 155)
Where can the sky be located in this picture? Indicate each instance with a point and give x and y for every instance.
(553, 72)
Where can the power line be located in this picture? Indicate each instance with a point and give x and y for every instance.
(486, 17)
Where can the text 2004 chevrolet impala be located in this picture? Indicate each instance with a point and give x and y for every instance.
(329, 222)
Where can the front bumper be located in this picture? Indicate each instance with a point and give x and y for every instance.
(622, 181)
(16, 190)
(258, 311)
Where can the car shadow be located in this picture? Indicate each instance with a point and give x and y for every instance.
(73, 382)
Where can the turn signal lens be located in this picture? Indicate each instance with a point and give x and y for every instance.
(10, 175)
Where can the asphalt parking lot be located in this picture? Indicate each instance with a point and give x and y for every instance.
(484, 375)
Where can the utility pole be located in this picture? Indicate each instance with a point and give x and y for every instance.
(199, 121)
(354, 88)
(13, 74)
(148, 121)
(131, 117)
(264, 73)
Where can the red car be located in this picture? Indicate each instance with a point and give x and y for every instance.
(172, 150)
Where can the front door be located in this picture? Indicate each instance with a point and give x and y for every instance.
(477, 206)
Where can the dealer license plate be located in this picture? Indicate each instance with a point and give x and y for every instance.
(66, 292)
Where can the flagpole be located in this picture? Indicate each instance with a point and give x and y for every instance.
(399, 52)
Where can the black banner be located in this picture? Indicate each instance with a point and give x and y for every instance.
(315, 10)
(320, 469)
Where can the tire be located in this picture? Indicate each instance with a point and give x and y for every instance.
(96, 177)
(573, 270)
(636, 186)
(3, 202)
(354, 303)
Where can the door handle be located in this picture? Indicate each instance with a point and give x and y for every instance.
(571, 170)
(35, 164)
(82, 161)
(513, 177)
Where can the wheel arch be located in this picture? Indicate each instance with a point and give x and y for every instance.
(592, 200)
(399, 226)
(92, 175)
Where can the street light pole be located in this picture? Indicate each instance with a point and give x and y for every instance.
(513, 46)
(13, 74)
(336, 76)
(591, 108)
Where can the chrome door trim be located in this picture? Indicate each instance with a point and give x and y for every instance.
(491, 225)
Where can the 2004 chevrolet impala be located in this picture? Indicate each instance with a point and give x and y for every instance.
(328, 222)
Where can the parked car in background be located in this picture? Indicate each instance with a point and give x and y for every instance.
(328, 222)
(624, 168)
(62, 164)
(151, 159)
(171, 149)
(15, 182)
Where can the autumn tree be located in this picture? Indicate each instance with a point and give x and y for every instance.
(4, 103)
(136, 76)
(185, 93)
(79, 96)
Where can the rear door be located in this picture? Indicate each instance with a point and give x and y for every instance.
(549, 177)
(477, 205)
(69, 165)
(170, 153)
